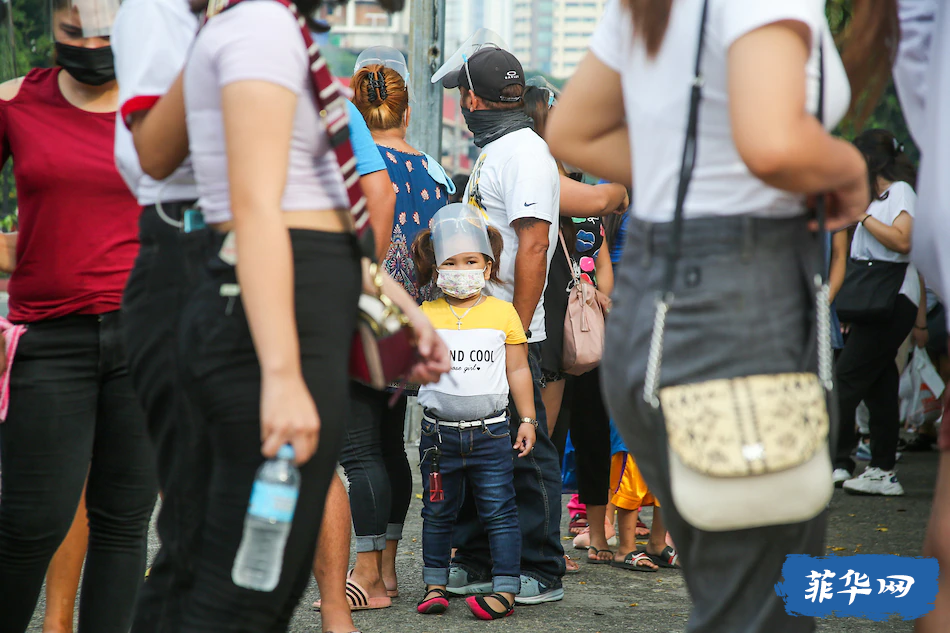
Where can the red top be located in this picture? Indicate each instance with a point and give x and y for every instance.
(78, 221)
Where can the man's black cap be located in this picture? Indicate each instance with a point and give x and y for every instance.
(492, 70)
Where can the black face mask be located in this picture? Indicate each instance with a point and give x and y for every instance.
(90, 66)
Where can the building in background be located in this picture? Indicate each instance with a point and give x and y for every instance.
(464, 17)
(359, 24)
(551, 36)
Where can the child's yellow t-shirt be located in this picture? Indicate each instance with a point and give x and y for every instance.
(477, 386)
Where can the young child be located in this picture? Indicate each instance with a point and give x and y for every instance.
(466, 439)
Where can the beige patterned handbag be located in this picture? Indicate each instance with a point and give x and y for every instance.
(749, 451)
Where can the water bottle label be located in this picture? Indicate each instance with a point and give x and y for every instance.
(274, 502)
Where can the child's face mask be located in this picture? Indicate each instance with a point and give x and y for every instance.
(461, 284)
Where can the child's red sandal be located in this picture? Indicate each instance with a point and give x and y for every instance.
(434, 602)
(484, 611)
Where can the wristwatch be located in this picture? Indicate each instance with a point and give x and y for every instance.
(530, 421)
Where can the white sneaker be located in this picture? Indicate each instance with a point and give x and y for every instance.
(840, 476)
(875, 481)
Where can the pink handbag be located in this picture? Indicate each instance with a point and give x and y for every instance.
(583, 325)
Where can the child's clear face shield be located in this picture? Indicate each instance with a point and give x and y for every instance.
(459, 228)
(385, 56)
(83, 19)
(482, 38)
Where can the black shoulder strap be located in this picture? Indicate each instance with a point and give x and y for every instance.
(689, 156)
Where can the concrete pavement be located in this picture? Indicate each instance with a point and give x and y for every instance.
(606, 600)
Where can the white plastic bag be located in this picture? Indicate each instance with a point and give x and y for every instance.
(863, 418)
(921, 390)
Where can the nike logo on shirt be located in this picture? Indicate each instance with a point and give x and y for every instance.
(530, 205)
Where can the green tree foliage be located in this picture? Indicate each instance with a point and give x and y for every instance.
(29, 45)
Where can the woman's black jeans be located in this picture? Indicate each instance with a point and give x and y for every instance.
(73, 412)
(151, 318)
(224, 379)
(374, 458)
(867, 371)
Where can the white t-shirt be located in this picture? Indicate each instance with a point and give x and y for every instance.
(922, 78)
(516, 177)
(257, 41)
(898, 198)
(477, 385)
(150, 42)
(656, 95)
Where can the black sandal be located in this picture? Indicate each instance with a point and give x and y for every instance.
(484, 611)
(435, 605)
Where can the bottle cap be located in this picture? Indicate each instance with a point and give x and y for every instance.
(286, 452)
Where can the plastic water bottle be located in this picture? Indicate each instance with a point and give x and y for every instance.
(267, 524)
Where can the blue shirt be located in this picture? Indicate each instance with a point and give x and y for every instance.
(368, 160)
(616, 249)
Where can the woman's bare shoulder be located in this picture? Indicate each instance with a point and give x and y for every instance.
(10, 89)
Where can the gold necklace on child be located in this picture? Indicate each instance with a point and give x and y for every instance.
(458, 318)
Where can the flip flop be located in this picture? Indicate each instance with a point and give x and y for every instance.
(597, 552)
(392, 593)
(631, 562)
(359, 599)
(578, 523)
(667, 559)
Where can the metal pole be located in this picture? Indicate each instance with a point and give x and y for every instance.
(426, 41)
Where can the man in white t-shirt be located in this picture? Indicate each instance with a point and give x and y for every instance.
(516, 184)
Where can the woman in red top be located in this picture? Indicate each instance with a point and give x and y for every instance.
(72, 409)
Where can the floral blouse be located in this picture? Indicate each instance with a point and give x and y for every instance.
(418, 198)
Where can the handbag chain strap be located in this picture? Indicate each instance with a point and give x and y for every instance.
(332, 109)
(664, 298)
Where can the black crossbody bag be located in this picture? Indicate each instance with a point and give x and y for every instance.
(870, 289)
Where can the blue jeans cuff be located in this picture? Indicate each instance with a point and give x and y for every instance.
(437, 576)
(394, 532)
(375, 543)
(507, 584)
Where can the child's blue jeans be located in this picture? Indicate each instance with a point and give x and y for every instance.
(480, 457)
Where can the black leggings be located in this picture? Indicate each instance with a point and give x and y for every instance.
(867, 371)
(590, 435)
(73, 412)
(224, 376)
(374, 457)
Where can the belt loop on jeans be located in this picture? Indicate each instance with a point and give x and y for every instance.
(748, 238)
(647, 254)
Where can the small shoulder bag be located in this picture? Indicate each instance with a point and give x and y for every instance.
(750, 451)
(870, 289)
(383, 349)
(583, 324)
